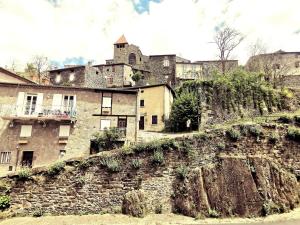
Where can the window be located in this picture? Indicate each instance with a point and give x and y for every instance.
(30, 104)
(26, 131)
(297, 64)
(142, 91)
(71, 77)
(166, 63)
(5, 157)
(104, 124)
(106, 102)
(69, 103)
(110, 80)
(62, 153)
(107, 69)
(113, 69)
(64, 131)
(57, 78)
(142, 103)
(132, 59)
(154, 119)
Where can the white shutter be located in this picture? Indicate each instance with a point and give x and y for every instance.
(64, 130)
(104, 124)
(39, 103)
(57, 102)
(74, 110)
(20, 104)
(26, 131)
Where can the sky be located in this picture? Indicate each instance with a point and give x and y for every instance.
(77, 31)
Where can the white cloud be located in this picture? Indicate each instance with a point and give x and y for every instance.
(88, 28)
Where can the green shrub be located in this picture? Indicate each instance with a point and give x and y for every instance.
(274, 137)
(136, 163)
(233, 134)
(112, 164)
(199, 216)
(144, 147)
(285, 119)
(221, 146)
(294, 134)
(136, 76)
(24, 174)
(186, 147)
(255, 131)
(4, 202)
(38, 213)
(84, 164)
(80, 181)
(201, 137)
(134, 204)
(269, 208)
(168, 144)
(158, 157)
(182, 172)
(213, 213)
(56, 168)
(107, 139)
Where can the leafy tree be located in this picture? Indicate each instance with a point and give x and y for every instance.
(136, 76)
(184, 107)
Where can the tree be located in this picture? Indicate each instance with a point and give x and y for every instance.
(258, 47)
(136, 76)
(227, 39)
(184, 108)
(41, 65)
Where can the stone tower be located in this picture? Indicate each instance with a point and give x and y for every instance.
(128, 54)
(121, 50)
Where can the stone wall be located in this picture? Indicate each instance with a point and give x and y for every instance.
(159, 72)
(237, 180)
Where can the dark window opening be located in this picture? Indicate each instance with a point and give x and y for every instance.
(142, 103)
(97, 72)
(132, 59)
(154, 119)
(142, 91)
(107, 69)
(27, 158)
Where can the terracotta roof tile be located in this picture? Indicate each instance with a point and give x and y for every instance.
(121, 40)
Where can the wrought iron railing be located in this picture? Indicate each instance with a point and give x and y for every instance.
(37, 111)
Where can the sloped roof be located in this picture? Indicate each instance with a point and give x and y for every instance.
(121, 40)
(16, 76)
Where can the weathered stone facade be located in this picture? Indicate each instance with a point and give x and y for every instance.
(43, 140)
(259, 169)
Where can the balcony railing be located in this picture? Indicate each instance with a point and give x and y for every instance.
(43, 112)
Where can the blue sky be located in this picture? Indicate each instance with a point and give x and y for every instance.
(77, 31)
(142, 6)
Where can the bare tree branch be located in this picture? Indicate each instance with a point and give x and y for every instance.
(227, 39)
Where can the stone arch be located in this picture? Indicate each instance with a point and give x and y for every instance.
(132, 59)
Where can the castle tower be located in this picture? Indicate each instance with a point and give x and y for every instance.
(121, 50)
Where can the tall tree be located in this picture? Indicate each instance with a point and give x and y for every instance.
(227, 39)
(41, 65)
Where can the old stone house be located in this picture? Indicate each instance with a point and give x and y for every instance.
(41, 124)
(155, 103)
(285, 65)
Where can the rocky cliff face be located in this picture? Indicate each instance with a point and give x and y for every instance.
(209, 174)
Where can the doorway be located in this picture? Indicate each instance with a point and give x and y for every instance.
(122, 125)
(142, 123)
(27, 158)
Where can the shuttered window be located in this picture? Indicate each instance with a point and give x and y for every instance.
(5, 157)
(26, 131)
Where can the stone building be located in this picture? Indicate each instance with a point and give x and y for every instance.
(278, 64)
(155, 103)
(41, 124)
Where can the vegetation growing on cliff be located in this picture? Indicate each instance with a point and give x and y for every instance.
(235, 94)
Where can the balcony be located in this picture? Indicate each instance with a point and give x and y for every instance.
(15, 112)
